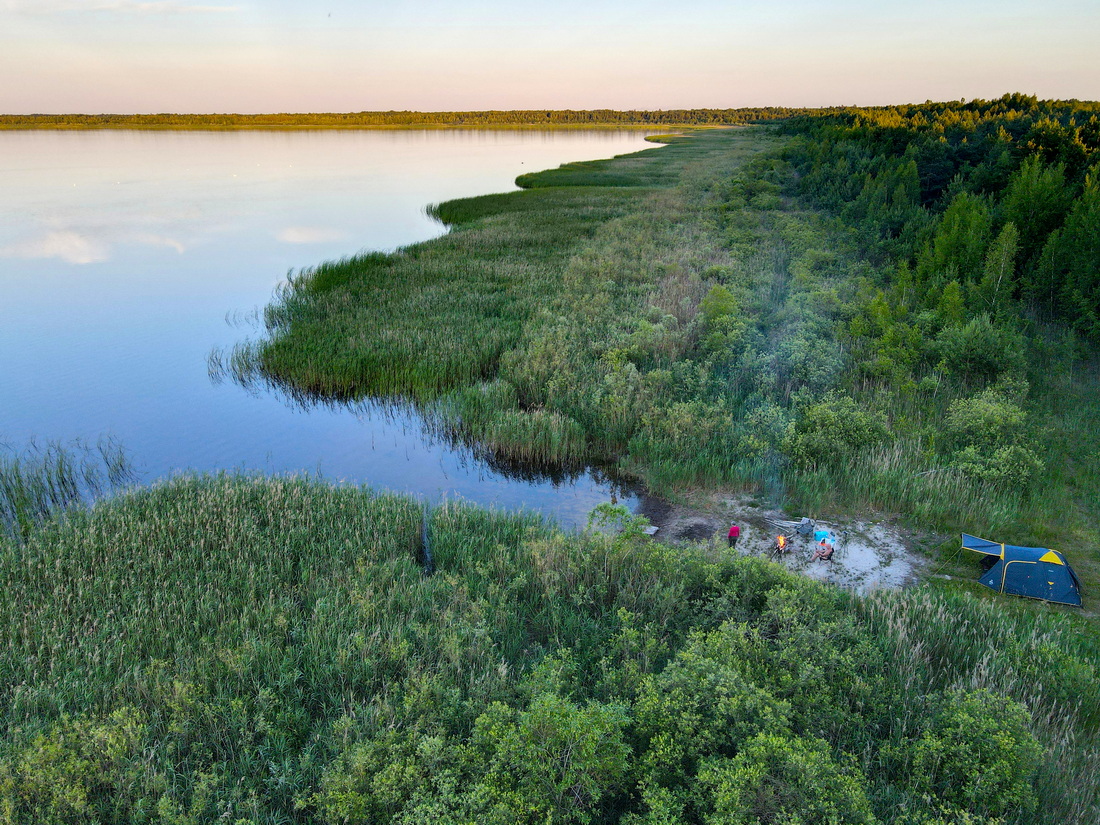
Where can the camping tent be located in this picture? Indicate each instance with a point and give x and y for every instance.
(1035, 572)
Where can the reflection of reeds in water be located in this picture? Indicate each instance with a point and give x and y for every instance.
(505, 332)
(45, 479)
(480, 423)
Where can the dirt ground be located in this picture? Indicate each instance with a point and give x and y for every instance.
(870, 554)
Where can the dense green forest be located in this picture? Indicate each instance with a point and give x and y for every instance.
(887, 309)
(998, 201)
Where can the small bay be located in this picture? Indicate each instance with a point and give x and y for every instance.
(127, 257)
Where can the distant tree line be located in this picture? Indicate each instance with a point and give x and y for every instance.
(520, 118)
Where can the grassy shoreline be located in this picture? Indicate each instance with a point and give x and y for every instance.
(677, 312)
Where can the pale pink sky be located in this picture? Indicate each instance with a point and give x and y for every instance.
(275, 55)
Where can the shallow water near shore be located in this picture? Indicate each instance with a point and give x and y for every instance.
(127, 257)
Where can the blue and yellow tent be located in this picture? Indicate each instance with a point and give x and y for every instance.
(1035, 572)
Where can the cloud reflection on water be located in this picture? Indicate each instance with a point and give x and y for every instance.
(79, 248)
(154, 248)
(69, 246)
(309, 234)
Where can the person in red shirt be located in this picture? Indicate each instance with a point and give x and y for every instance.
(734, 534)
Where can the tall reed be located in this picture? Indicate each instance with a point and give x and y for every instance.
(44, 479)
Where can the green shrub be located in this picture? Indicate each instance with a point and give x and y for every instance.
(725, 322)
(1011, 466)
(976, 753)
(985, 431)
(833, 429)
(377, 778)
(810, 360)
(785, 780)
(718, 304)
(77, 771)
(701, 705)
(556, 760)
(660, 806)
(986, 419)
(980, 350)
(764, 429)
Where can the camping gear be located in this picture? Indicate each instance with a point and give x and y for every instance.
(804, 527)
(1035, 572)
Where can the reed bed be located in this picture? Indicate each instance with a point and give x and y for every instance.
(191, 565)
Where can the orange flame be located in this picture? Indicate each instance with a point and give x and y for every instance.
(781, 541)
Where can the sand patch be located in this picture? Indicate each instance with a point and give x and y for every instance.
(870, 553)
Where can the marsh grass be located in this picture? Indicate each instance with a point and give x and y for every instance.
(429, 318)
(165, 572)
(44, 479)
(441, 314)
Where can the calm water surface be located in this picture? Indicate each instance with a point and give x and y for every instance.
(126, 257)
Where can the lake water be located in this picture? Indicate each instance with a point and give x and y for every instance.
(127, 257)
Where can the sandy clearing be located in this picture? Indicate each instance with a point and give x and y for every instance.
(871, 553)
